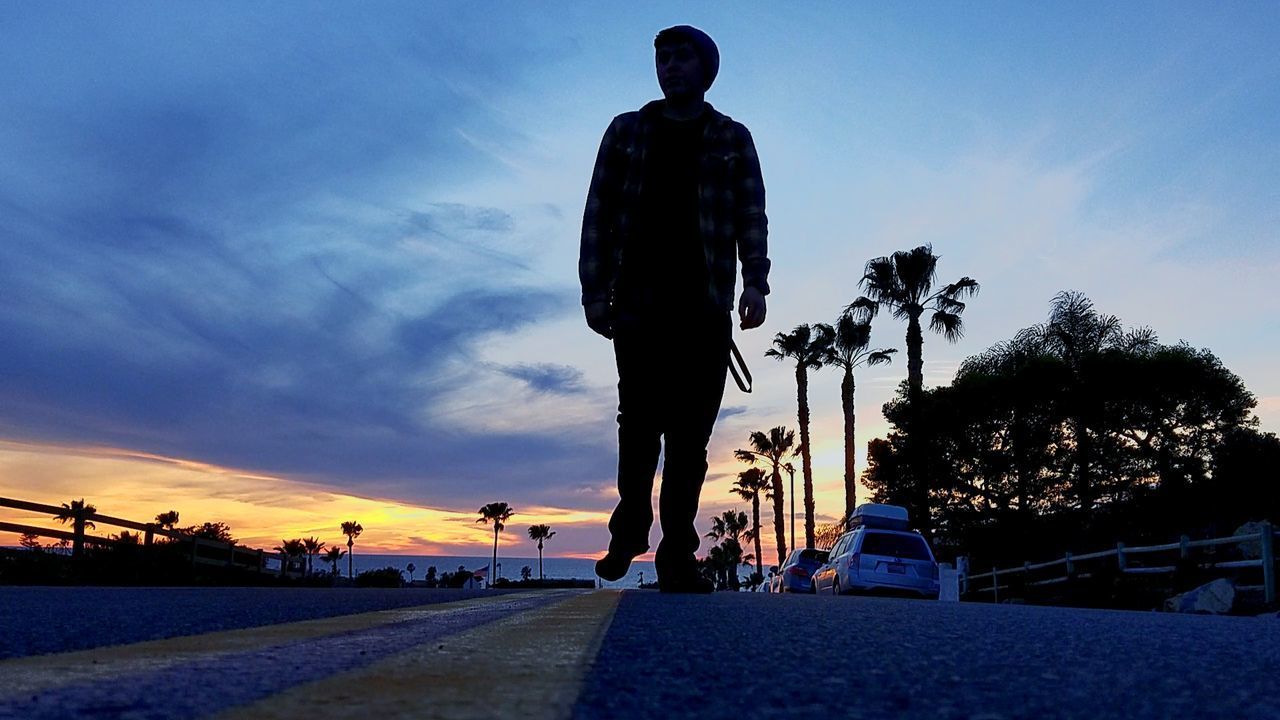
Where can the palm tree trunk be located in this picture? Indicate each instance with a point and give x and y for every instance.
(850, 474)
(779, 515)
(493, 566)
(755, 530)
(540, 575)
(802, 399)
(915, 355)
(350, 555)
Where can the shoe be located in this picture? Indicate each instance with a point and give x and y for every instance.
(614, 565)
(686, 584)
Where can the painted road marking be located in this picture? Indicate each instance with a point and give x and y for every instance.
(200, 675)
(529, 665)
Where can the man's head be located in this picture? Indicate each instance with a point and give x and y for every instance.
(687, 61)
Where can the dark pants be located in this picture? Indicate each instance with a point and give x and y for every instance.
(671, 375)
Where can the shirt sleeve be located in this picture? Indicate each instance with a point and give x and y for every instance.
(752, 223)
(596, 256)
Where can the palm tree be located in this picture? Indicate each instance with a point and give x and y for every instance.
(313, 547)
(540, 533)
(725, 557)
(411, 568)
(332, 556)
(498, 513)
(903, 282)
(848, 351)
(291, 550)
(728, 524)
(76, 508)
(771, 449)
(791, 472)
(352, 530)
(750, 483)
(808, 347)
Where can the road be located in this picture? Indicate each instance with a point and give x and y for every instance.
(273, 653)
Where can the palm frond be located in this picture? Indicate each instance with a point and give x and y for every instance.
(863, 309)
(949, 324)
(882, 356)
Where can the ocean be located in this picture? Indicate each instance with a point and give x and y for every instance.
(509, 567)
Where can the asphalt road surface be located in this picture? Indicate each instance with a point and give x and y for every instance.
(636, 654)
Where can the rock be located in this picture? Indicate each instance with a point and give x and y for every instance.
(1250, 549)
(1215, 598)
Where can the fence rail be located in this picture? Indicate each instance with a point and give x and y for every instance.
(229, 554)
(1265, 537)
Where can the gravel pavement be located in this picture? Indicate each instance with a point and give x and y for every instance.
(36, 620)
(758, 655)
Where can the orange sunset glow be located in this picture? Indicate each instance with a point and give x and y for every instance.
(260, 509)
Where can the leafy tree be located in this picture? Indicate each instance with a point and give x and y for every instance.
(431, 578)
(167, 520)
(1078, 334)
(771, 448)
(749, 485)
(218, 531)
(809, 347)
(850, 349)
(497, 513)
(352, 530)
(540, 533)
(526, 572)
(411, 568)
(30, 541)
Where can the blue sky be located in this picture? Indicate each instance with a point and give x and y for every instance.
(338, 244)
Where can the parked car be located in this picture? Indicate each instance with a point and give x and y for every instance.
(796, 574)
(879, 555)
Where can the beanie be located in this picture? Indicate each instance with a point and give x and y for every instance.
(702, 44)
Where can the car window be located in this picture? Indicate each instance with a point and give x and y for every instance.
(910, 547)
(814, 555)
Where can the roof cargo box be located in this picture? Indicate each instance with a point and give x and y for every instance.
(875, 515)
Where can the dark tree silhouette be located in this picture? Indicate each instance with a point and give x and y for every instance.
(771, 448)
(850, 348)
(808, 347)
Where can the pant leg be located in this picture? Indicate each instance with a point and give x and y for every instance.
(695, 391)
(639, 431)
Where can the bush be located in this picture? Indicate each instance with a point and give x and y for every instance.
(385, 578)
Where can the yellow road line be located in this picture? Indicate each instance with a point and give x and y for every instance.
(528, 665)
(41, 672)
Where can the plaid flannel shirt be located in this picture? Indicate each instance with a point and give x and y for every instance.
(731, 215)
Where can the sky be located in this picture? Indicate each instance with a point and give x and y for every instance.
(285, 265)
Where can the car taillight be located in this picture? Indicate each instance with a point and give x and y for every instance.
(799, 571)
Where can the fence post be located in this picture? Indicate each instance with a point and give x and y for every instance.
(995, 586)
(962, 567)
(77, 541)
(1184, 547)
(1120, 561)
(1071, 566)
(1268, 538)
(150, 537)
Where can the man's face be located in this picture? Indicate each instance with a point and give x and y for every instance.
(679, 70)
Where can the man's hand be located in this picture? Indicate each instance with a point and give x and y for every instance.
(599, 318)
(751, 308)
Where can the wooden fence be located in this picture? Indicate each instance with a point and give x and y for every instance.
(1129, 561)
(215, 552)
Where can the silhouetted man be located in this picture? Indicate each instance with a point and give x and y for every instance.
(675, 200)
